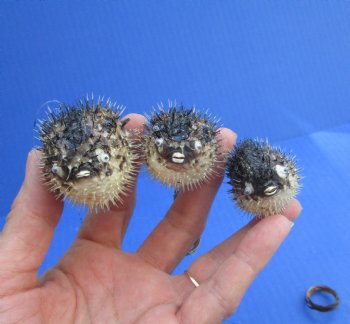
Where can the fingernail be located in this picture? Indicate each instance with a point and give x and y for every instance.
(291, 223)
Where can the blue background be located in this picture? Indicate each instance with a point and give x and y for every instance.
(276, 69)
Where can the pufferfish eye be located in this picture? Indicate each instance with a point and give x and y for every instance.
(282, 171)
(57, 170)
(270, 191)
(103, 157)
(197, 145)
(248, 190)
(159, 141)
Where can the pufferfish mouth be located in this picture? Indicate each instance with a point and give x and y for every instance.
(178, 157)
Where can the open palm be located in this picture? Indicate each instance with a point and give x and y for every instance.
(96, 282)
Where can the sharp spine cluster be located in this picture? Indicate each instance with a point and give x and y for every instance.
(88, 156)
(264, 179)
(181, 148)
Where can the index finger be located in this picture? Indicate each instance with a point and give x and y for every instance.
(30, 224)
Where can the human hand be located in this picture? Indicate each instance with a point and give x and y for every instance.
(97, 282)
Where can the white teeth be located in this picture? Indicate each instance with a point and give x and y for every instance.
(178, 157)
(176, 160)
(82, 174)
(269, 191)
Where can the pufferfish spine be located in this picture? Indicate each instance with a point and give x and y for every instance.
(264, 179)
(88, 156)
(181, 148)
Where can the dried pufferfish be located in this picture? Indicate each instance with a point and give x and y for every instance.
(180, 146)
(88, 156)
(264, 179)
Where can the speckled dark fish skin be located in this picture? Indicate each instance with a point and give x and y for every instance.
(264, 179)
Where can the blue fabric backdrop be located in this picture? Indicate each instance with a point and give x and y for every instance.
(276, 69)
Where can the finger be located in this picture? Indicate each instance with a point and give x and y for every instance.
(109, 227)
(205, 266)
(220, 296)
(30, 224)
(185, 221)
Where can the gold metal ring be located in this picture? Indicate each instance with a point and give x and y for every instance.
(194, 281)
